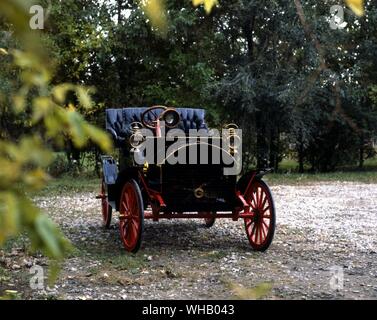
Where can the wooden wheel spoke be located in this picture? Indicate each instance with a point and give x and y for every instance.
(256, 234)
(253, 206)
(253, 229)
(258, 196)
(265, 209)
(264, 202)
(253, 201)
(263, 231)
(135, 226)
(248, 224)
(132, 233)
(260, 234)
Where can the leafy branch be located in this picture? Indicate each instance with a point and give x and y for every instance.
(23, 161)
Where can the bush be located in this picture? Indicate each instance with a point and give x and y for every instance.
(59, 166)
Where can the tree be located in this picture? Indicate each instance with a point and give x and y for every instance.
(24, 158)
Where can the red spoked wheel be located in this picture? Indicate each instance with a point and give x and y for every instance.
(209, 222)
(106, 208)
(131, 219)
(261, 228)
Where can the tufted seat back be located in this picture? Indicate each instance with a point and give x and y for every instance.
(118, 121)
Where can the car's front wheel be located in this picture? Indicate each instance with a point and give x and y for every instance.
(131, 219)
(261, 228)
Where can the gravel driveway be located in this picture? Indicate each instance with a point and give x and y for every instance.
(325, 247)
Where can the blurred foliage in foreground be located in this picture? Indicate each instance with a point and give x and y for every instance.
(257, 292)
(41, 109)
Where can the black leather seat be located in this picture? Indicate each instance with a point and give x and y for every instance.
(118, 121)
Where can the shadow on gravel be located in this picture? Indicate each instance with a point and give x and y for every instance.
(188, 235)
(163, 236)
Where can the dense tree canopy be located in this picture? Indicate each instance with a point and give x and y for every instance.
(294, 84)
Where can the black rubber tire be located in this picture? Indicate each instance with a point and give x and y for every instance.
(106, 221)
(209, 222)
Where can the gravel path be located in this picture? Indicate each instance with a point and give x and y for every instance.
(324, 232)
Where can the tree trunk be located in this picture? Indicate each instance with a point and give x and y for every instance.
(300, 153)
(262, 146)
(119, 10)
(260, 121)
(361, 152)
(277, 158)
(274, 149)
(247, 29)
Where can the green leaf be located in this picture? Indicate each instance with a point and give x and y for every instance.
(19, 103)
(33, 152)
(155, 10)
(36, 179)
(101, 138)
(42, 106)
(76, 128)
(84, 97)
(208, 4)
(47, 231)
(59, 92)
(17, 12)
(357, 6)
(9, 215)
(256, 292)
(3, 51)
(10, 173)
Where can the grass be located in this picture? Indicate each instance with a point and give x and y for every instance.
(69, 184)
(127, 262)
(370, 163)
(288, 174)
(307, 178)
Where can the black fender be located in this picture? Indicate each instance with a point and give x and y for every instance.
(124, 176)
(243, 182)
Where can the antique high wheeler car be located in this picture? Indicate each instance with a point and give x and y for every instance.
(140, 187)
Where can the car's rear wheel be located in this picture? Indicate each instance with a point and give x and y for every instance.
(209, 222)
(106, 208)
(131, 220)
(261, 228)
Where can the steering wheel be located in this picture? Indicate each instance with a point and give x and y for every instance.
(150, 116)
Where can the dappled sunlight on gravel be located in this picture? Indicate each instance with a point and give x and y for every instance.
(338, 211)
